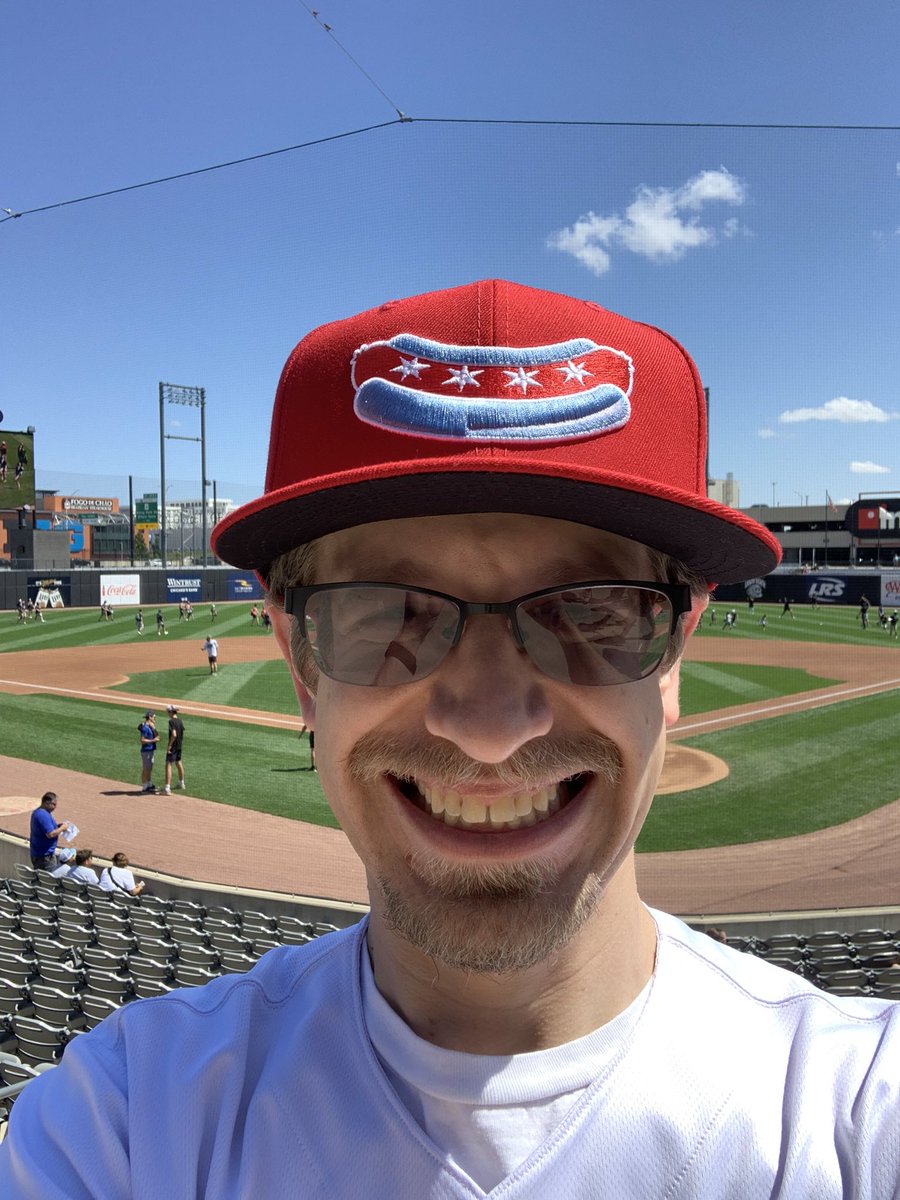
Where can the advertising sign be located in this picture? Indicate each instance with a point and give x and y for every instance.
(16, 468)
(890, 591)
(244, 587)
(120, 590)
(874, 520)
(183, 587)
(830, 587)
(49, 591)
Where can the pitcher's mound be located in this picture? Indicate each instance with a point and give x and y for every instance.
(685, 768)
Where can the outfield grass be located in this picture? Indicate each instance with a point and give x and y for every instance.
(80, 627)
(265, 686)
(783, 777)
(245, 765)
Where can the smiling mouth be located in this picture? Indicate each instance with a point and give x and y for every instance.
(516, 810)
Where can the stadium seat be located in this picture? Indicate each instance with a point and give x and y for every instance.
(111, 918)
(235, 964)
(189, 975)
(148, 974)
(15, 998)
(191, 954)
(37, 1041)
(56, 1007)
(14, 942)
(26, 872)
(67, 976)
(18, 968)
(826, 938)
(110, 985)
(96, 1008)
(841, 979)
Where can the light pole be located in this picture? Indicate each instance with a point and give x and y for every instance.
(190, 397)
(774, 485)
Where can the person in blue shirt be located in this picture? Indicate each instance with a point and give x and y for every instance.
(149, 739)
(44, 833)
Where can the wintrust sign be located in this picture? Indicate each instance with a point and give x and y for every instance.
(120, 590)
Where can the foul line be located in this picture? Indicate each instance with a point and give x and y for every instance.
(828, 698)
(233, 714)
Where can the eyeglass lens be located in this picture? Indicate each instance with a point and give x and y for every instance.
(383, 636)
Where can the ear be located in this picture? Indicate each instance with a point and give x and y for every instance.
(281, 625)
(670, 682)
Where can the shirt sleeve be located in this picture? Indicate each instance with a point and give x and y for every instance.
(67, 1137)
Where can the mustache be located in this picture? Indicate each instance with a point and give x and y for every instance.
(546, 758)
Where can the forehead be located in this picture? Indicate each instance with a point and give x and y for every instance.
(539, 551)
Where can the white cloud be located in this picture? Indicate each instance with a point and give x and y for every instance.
(842, 409)
(766, 433)
(660, 224)
(868, 468)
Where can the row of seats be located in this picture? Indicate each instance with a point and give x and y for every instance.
(865, 962)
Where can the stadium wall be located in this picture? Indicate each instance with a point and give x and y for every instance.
(130, 586)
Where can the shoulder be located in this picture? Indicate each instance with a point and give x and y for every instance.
(762, 995)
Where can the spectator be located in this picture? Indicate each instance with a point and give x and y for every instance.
(64, 857)
(44, 833)
(118, 877)
(83, 872)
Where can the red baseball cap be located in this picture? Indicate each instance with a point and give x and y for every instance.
(493, 397)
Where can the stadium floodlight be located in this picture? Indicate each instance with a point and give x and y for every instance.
(189, 397)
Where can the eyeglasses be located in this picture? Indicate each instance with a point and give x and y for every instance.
(594, 634)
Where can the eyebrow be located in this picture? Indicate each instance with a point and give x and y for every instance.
(558, 572)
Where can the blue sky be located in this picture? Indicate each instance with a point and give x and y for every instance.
(772, 254)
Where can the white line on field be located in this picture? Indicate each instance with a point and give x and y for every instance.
(198, 708)
(828, 698)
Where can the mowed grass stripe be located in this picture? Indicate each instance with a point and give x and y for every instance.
(267, 686)
(789, 775)
(264, 686)
(247, 766)
(709, 686)
(64, 627)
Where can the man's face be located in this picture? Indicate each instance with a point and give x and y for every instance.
(573, 767)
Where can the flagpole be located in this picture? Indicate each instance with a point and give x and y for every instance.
(827, 498)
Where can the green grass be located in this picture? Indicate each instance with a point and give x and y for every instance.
(245, 765)
(265, 686)
(65, 627)
(835, 623)
(789, 775)
(708, 686)
(782, 782)
(80, 627)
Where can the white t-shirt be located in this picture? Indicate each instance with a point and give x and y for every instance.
(112, 877)
(488, 1112)
(82, 874)
(737, 1081)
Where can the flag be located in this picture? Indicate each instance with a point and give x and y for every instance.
(831, 504)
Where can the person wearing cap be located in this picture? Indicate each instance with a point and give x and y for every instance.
(485, 538)
(173, 749)
(149, 736)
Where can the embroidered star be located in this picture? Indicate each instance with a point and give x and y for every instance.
(410, 366)
(574, 372)
(522, 378)
(462, 377)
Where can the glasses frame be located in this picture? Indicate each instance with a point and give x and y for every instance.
(678, 594)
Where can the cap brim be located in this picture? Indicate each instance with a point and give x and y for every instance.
(719, 543)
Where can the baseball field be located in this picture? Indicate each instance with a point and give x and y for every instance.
(780, 789)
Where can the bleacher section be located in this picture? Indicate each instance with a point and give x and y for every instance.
(71, 953)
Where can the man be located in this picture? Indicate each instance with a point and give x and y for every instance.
(161, 623)
(149, 740)
(82, 871)
(510, 1016)
(211, 648)
(139, 621)
(173, 749)
(44, 833)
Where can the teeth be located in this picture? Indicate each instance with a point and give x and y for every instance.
(515, 811)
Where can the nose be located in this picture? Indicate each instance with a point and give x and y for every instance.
(487, 697)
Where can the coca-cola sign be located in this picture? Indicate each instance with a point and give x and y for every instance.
(120, 589)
